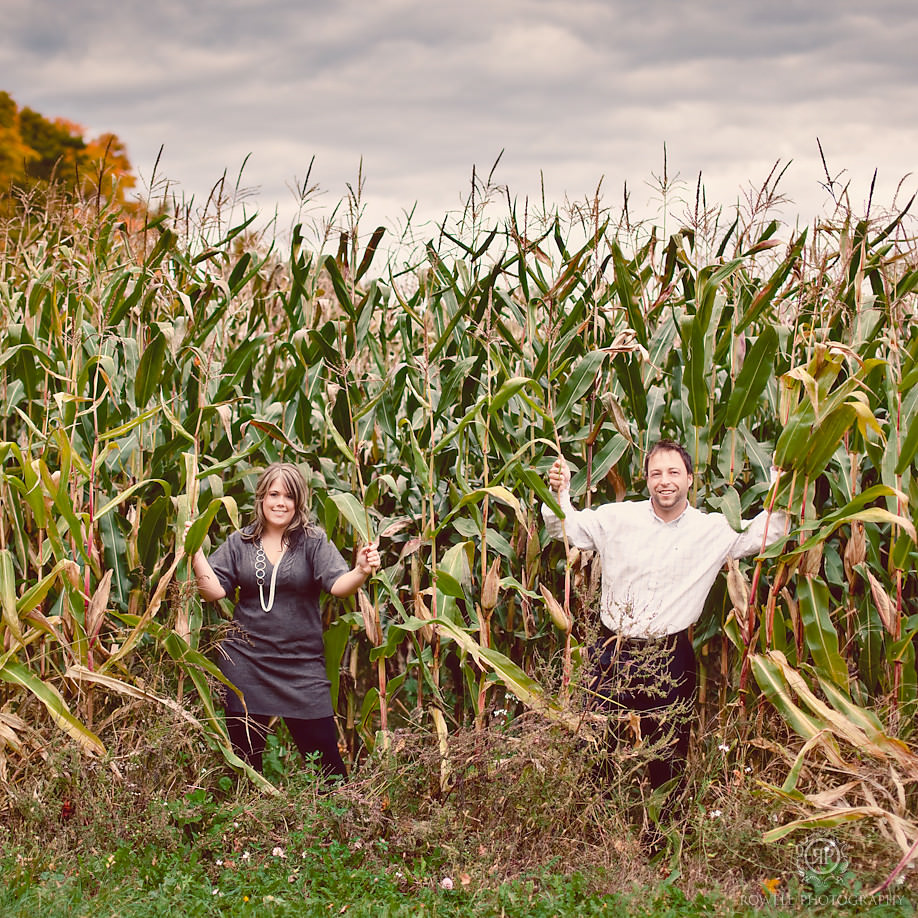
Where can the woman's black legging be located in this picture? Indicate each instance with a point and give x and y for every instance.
(311, 735)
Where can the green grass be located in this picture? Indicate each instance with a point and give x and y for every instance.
(223, 855)
(333, 879)
(521, 831)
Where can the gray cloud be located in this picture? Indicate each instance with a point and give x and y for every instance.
(572, 91)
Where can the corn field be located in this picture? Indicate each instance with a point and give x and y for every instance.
(148, 372)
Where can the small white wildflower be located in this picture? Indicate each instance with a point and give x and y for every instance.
(400, 875)
(723, 747)
(278, 852)
(446, 883)
(716, 814)
(246, 855)
(748, 769)
(220, 862)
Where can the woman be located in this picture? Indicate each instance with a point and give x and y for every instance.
(275, 655)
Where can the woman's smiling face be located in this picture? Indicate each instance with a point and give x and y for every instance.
(278, 505)
(281, 501)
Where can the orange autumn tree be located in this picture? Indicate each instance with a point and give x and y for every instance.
(36, 152)
(15, 154)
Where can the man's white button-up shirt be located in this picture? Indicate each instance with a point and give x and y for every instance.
(656, 575)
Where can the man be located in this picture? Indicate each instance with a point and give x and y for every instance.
(659, 559)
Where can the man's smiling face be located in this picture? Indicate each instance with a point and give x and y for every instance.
(668, 481)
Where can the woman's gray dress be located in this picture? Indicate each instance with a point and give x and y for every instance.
(277, 658)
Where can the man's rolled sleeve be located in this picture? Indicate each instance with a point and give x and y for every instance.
(763, 530)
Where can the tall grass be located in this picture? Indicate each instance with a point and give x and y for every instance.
(148, 372)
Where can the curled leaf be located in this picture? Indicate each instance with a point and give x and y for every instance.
(737, 586)
(421, 611)
(95, 611)
(491, 587)
(886, 608)
(370, 619)
(561, 619)
(855, 550)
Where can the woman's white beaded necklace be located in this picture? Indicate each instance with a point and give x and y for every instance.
(261, 568)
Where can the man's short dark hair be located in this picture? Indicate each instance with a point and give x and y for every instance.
(667, 445)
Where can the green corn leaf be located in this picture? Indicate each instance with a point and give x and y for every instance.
(130, 425)
(8, 594)
(758, 368)
(819, 632)
(771, 681)
(537, 483)
(238, 277)
(340, 287)
(498, 492)
(826, 438)
(766, 294)
(174, 422)
(150, 369)
(627, 296)
(696, 375)
(126, 495)
(198, 530)
(909, 447)
(448, 584)
(793, 776)
(608, 454)
(471, 415)
(355, 513)
(36, 593)
(33, 354)
(582, 377)
(514, 679)
(368, 708)
(335, 638)
(729, 505)
(837, 818)
(453, 568)
(794, 439)
(16, 673)
(510, 388)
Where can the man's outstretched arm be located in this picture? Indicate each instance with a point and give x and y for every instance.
(762, 530)
(582, 527)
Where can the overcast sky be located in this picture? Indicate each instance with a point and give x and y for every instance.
(574, 91)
